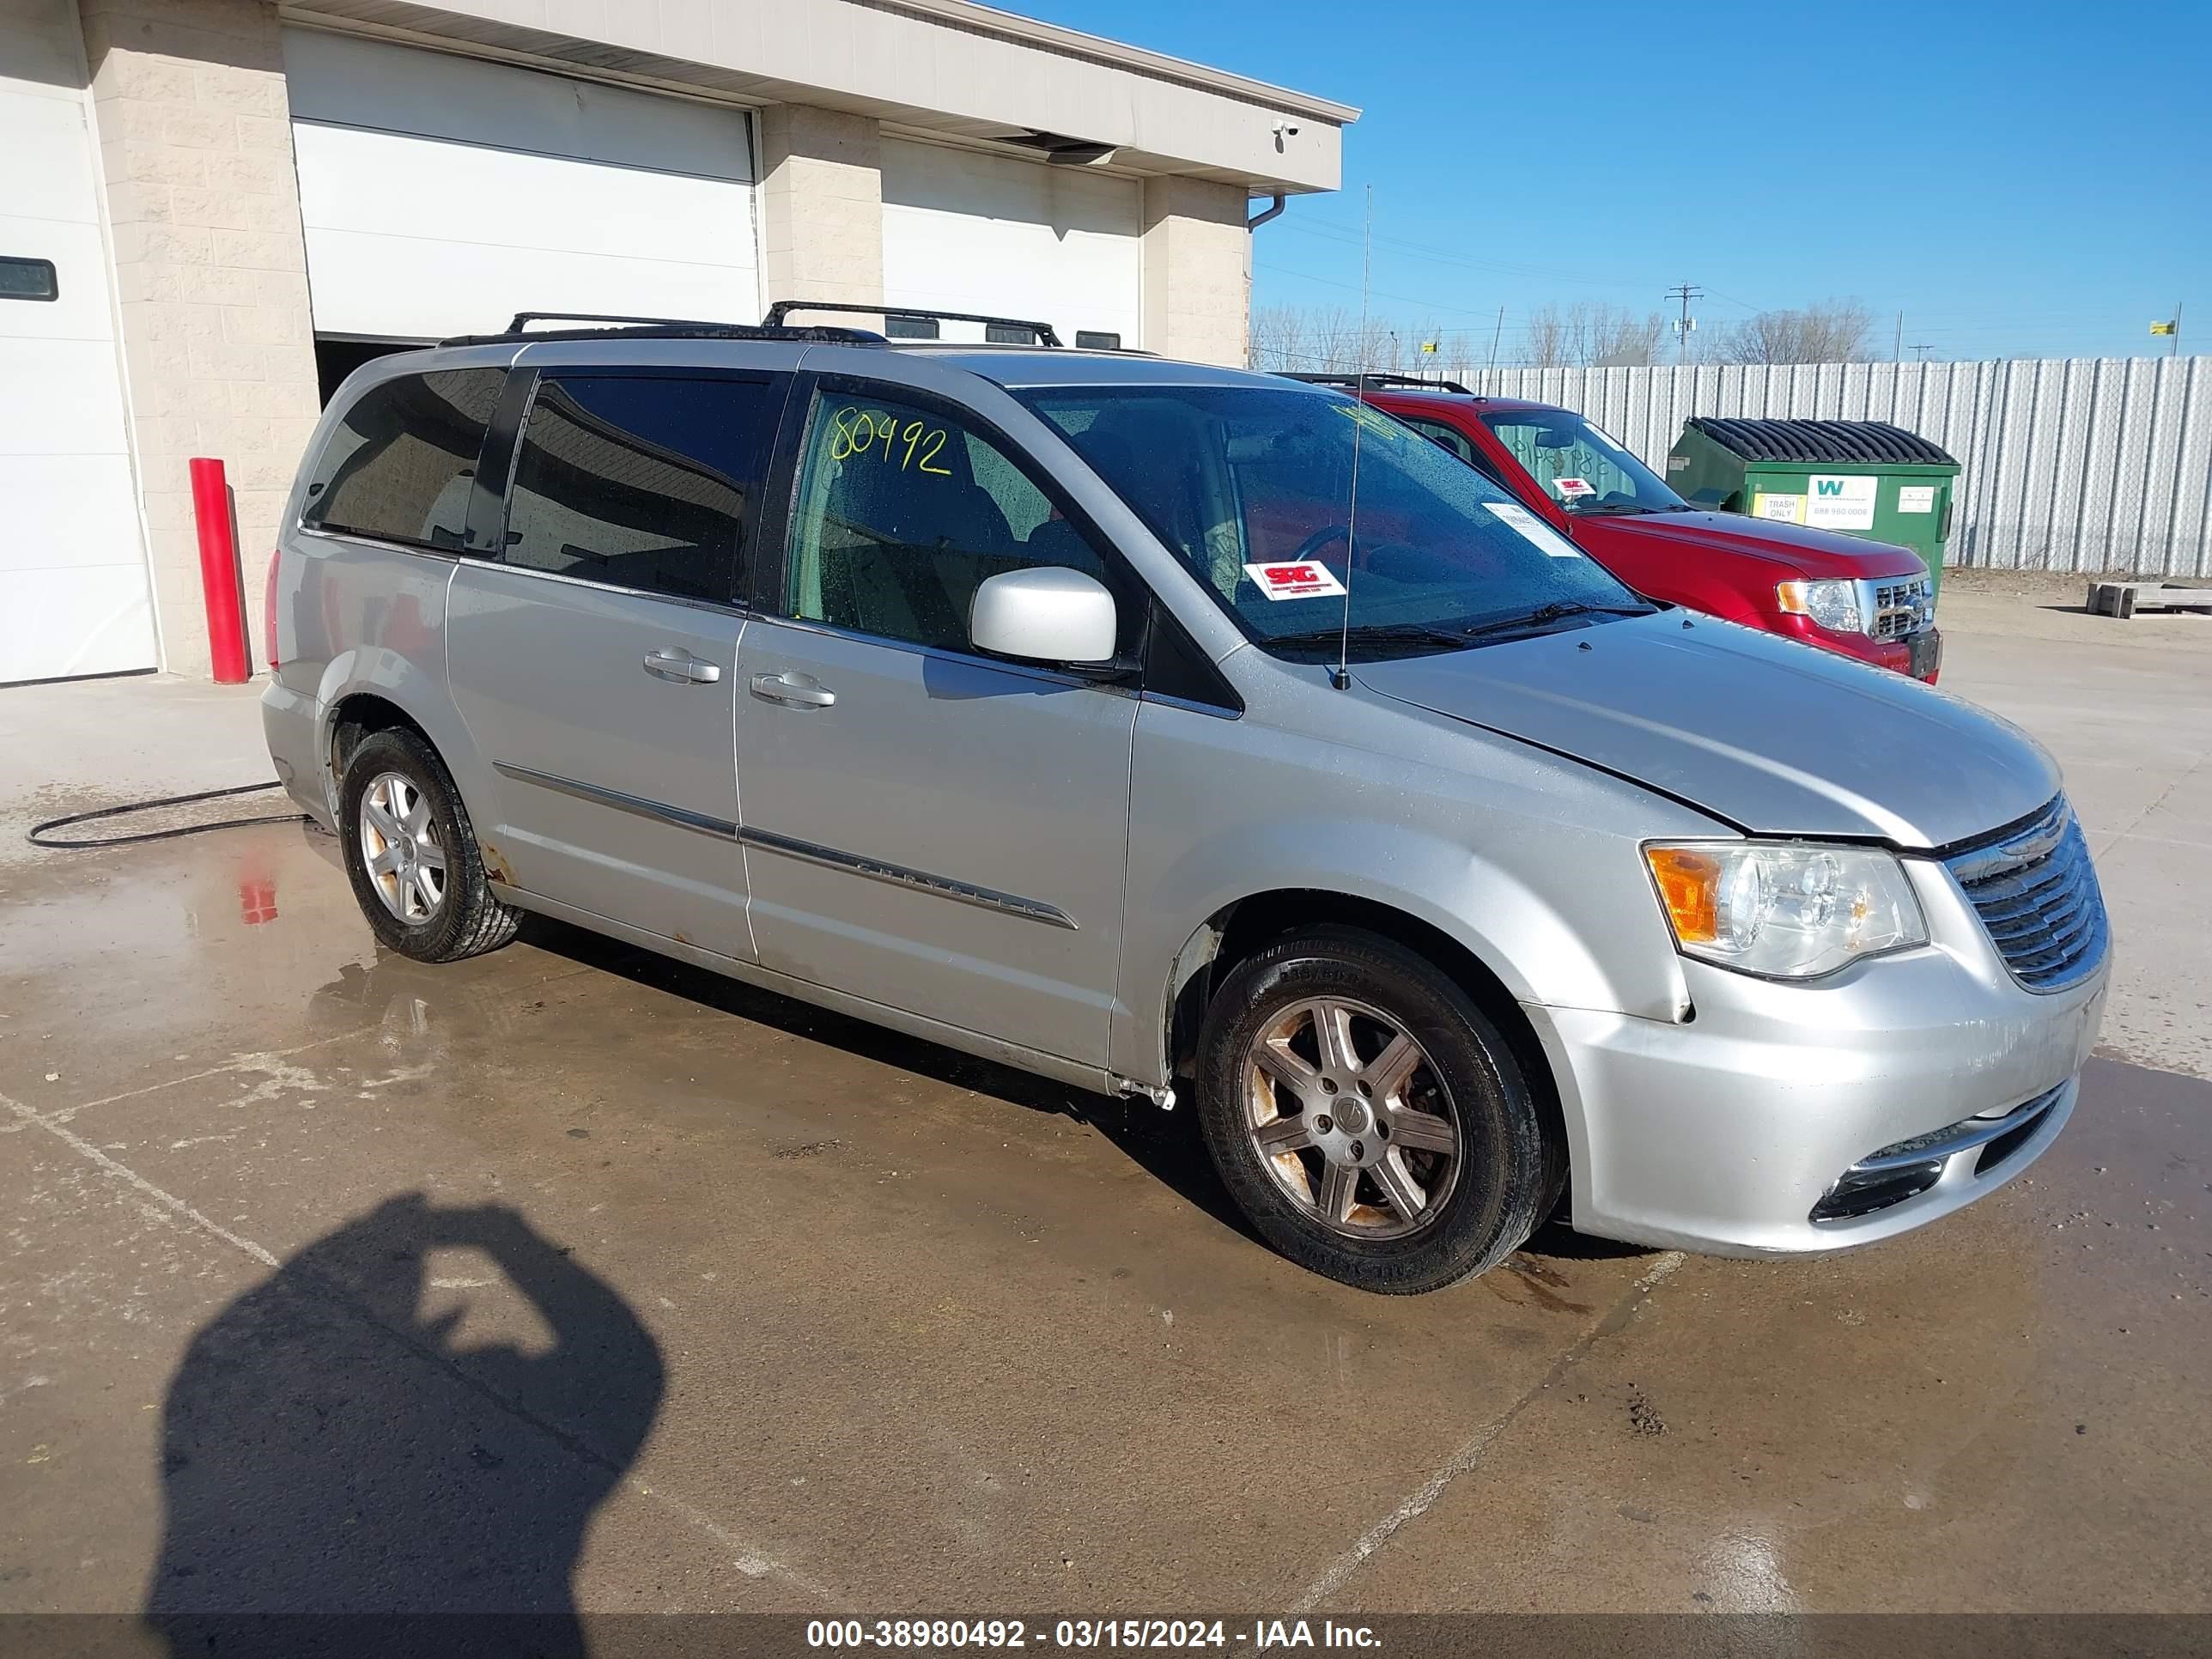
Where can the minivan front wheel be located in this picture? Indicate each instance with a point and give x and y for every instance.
(1367, 1118)
(411, 855)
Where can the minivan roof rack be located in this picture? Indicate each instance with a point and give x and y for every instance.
(1043, 333)
(654, 328)
(524, 319)
(1378, 377)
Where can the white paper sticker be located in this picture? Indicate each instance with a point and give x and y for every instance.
(1294, 579)
(1785, 509)
(1836, 501)
(1574, 489)
(1547, 538)
(1916, 498)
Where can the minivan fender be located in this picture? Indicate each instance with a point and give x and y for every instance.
(380, 671)
(1537, 953)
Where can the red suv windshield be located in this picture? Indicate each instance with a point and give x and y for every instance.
(1580, 467)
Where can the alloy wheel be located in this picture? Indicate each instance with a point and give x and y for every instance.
(1349, 1116)
(400, 848)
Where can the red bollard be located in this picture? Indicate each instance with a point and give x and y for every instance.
(219, 578)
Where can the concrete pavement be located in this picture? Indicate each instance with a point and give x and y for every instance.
(572, 1271)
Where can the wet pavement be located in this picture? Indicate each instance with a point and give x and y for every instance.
(569, 1272)
(332, 1276)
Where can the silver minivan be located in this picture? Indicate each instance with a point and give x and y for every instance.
(1186, 733)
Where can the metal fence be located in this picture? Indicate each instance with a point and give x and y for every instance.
(2075, 463)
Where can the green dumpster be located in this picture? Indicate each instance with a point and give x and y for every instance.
(1863, 477)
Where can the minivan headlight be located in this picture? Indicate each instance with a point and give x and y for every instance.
(1783, 909)
(1833, 604)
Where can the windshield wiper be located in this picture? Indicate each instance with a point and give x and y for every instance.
(1612, 509)
(1378, 634)
(1558, 610)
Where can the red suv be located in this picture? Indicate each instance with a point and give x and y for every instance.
(1866, 600)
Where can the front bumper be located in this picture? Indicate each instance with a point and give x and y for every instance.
(1725, 1133)
(1918, 655)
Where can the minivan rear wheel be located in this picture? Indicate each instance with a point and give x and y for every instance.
(1368, 1118)
(413, 859)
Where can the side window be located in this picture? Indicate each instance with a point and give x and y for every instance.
(1450, 437)
(399, 466)
(1460, 445)
(904, 512)
(640, 481)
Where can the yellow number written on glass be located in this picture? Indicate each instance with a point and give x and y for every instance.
(855, 433)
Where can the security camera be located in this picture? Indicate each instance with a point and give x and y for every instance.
(1285, 130)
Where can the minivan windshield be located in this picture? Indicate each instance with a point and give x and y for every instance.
(1578, 466)
(1252, 488)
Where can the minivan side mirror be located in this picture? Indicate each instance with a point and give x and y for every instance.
(1045, 614)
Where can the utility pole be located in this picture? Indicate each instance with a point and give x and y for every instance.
(1920, 353)
(1685, 324)
(1896, 347)
(1494, 333)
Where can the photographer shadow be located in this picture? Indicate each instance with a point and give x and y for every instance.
(338, 1463)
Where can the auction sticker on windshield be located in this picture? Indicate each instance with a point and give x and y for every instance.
(1574, 489)
(1296, 579)
(1547, 538)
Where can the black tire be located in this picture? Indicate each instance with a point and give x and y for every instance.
(468, 921)
(1510, 1169)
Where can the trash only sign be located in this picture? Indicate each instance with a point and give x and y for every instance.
(1838, 501)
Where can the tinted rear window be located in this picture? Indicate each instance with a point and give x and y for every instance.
(640, 481)
(400, 465)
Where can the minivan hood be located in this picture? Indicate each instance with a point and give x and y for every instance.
(1779, 738)
(1810, 551)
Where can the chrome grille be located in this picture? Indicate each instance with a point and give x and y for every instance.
(1895, 607)
(2036, 892)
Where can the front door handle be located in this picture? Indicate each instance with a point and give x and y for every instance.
(682, 666)
(798, 690)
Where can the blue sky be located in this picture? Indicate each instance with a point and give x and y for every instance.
(2026, 180)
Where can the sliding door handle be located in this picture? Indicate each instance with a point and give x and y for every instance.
(682, 666)
(796, 690)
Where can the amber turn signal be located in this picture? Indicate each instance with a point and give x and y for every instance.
(1689, 886)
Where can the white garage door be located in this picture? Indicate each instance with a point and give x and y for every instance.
(73, 592)
(988, 234)
(441, 195)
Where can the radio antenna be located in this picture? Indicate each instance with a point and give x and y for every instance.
(1340, 676)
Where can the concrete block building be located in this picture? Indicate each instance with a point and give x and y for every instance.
(211, 210)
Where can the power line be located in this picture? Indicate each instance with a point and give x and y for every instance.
(1350, 237)
(2075, 323)
(1353, 287)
